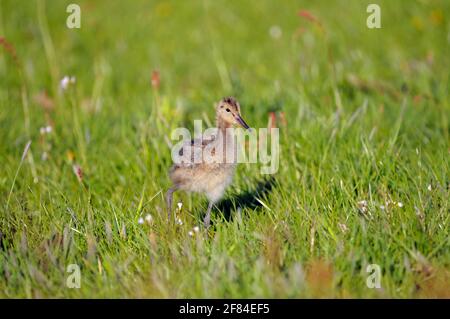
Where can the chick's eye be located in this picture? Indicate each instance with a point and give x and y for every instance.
(228, 110)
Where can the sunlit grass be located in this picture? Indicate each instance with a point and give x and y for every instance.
(364, 138)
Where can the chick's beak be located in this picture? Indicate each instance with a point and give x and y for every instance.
(241, 122)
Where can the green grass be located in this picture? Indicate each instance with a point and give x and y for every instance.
(367, 118)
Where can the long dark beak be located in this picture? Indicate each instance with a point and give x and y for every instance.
(241, 122)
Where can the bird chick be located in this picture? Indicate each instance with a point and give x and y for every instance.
(209, 163)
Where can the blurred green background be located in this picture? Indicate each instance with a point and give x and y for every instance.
(364, 171)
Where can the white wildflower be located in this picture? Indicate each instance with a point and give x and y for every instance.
(429, 187)
(66, 81)
(45, 130)
(140, 221)
(400, 204)
(179, 221)
(149, 219)
(190, 233)
(180, 204)
(275, 32)
(196, 229)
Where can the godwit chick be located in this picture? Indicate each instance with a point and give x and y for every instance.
(211, 160)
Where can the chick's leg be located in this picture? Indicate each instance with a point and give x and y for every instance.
(207, 219)
(169, 196)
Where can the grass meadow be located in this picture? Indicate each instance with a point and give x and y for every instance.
(364, 149)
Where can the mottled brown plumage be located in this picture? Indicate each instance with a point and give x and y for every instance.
(213, 174)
